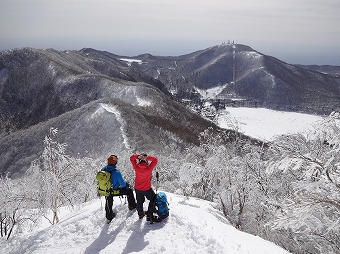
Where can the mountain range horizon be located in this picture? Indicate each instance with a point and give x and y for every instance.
(124, 98)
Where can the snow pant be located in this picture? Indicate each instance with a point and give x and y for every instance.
(140, 197)
(109, 201)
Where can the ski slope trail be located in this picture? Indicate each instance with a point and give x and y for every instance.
(194, 226)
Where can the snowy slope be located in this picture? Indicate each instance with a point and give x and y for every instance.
(264, 123)
(194, 226)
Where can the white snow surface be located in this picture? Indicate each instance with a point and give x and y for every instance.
(130, 61)
(264, 123)
(194, 226)
(211, 92)
(143, 102)
(120, 119)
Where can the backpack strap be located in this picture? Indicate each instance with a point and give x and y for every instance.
(111, 171)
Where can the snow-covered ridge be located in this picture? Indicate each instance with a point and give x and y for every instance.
(194, 226)
(120, 119)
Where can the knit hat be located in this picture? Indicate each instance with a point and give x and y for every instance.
(112, 160)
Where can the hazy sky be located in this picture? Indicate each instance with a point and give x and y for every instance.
(295, 31)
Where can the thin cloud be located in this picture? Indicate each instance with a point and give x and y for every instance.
(103, 24)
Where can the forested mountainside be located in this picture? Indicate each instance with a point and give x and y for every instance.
(241, 76)
(81, 95)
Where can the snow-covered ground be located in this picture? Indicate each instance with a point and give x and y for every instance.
(264, 123)
(194, 226)
(210, 93)
(130, 61)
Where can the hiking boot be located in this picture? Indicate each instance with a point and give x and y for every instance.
(141, 216)
(108, 221)
(153, 218)
(131, 207)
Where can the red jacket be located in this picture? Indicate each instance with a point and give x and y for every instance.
(143, 171)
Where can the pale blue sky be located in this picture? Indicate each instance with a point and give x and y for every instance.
(295, 31)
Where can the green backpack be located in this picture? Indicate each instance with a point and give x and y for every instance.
(104, 183)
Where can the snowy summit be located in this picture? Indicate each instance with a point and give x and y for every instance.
(194, 226)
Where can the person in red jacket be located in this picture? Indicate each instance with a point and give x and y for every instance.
(143, 166)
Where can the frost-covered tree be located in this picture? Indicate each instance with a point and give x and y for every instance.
(52, 181)
(287, 193)
(17, 205)
(242, 184)
(229, 171)
(60, 179)
(311, 169)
